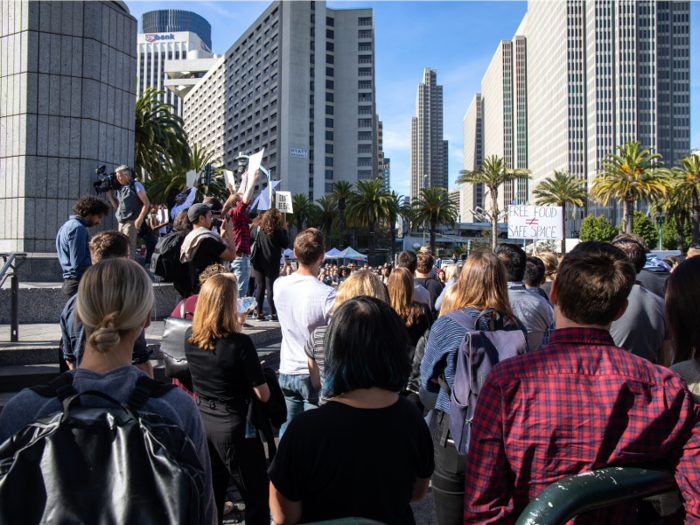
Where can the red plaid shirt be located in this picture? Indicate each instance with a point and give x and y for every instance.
(578, 404)
(241, 227)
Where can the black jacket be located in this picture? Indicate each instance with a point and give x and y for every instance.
(269, 248)
(264, 416)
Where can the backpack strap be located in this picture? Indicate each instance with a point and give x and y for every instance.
(495, 320)
(145, 389)
(60, 387)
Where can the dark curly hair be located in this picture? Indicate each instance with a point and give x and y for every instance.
(182, 223)
(90, 205)
(271, 221)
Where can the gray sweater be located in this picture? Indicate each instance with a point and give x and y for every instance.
(176, 405)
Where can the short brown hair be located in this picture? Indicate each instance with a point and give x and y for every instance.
(90, 205)
(211, 271)
(593, 283)
(635, 252)
(632, 237)
(109, 245)
(425, 262)
(309, 246)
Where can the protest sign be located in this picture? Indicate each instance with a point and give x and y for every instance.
(535, 222)
(284, 201)
(190, 177)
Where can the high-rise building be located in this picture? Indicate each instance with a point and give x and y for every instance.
(473, 129)
(300, 83)
(170, 35)
(596, 74)
(429, 155)
(176, 21)
(383, 163)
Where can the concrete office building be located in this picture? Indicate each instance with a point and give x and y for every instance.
(300, 83)
(473, 133)
(181, 38)
(383, 163)
(598, 74)
(429, 154)
(67, 82)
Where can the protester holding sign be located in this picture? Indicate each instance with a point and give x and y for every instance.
(270, 238)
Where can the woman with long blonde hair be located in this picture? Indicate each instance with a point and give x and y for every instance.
(226, 373)
(416, 316)
(483, 285)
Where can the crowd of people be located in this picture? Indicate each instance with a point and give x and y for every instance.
(601, 369)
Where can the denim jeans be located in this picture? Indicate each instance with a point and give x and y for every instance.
(299, 395)
(241, 269)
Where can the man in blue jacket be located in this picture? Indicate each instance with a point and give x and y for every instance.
(73, 240)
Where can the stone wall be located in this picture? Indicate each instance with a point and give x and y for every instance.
(67, 96)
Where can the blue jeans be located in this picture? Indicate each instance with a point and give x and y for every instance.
(299, 395)
(241, 269)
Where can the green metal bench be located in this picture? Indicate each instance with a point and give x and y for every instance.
(568, 497)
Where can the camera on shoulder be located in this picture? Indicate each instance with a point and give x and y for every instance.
(105, 182)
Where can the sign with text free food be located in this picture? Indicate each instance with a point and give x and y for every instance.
(535, 222)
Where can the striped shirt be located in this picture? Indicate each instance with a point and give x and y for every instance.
(314, 351)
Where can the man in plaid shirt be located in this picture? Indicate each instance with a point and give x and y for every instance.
(580, 403)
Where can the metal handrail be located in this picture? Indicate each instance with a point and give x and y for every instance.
(568, 497)
(14, 288)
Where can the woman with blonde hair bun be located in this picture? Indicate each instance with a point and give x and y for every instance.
(226, 373)
(115, 302)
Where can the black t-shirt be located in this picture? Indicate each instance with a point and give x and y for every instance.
(418, 328)
(341, 461)
(435, 288)
(207, 254)
(227, 372)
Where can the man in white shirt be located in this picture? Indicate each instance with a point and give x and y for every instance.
(303, 303)
(409, 260)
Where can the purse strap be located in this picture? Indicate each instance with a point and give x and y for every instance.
(182, 309)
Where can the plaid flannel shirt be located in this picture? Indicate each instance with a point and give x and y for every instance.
(578, 404)
(241, 227)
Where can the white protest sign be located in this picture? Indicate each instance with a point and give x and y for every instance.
(229, 178)
(253, 165)
(535, 222)
(190, 177)
(284, 201)
(162, 216)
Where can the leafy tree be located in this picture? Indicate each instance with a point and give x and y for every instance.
(326, 214)
(688, 181)
(435, 207)
(492, 173)
(368, 205)
(560, 190)
(303, 210)
(674, 205)
(342, 190)
(646, 229)
(629, 177)
(675, 238)
(597, 229)
(160, 141)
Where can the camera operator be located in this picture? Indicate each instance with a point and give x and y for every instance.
(73, 240)
(132, 205)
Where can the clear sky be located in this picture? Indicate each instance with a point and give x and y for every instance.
(458, 38)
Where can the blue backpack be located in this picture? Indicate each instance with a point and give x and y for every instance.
(478, 353)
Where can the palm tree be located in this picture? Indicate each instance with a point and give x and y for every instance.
(342, 190)
(326, 214)
(561, 190)
(492, 173)
(434, 206)
(303, 210)
(688, 181)
(395, 208)
(630, 177)
(366, 206)
(160, 144)
(674, 204)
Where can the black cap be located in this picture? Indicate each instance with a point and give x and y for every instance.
(196, 210)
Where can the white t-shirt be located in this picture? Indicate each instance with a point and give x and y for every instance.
(303, 304)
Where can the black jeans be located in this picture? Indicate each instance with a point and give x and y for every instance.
(234, 455)
(448, 478)
(264, 279)
(70, 288)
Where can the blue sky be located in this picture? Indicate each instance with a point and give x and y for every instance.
(458, 38)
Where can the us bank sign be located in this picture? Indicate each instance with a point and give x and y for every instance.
(153, 38)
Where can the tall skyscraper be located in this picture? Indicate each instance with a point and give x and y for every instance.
(169, 34)
(473, 129)
(300, 83)
(383, 163)
(429, 156)
(600, 73)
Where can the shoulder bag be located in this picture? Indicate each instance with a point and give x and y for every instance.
(172, 346)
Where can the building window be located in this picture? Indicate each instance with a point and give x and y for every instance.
(364, 135)
(365, 21)
(364, 174)
(365, 46)
(329, 33)
(329, 21)
(364, 110)
(329, 161)
(330, 46)
(329, 148)
(364, 148)
(364, 97)
(365, 59)
(311, 185)
(329, 186)
(329, 59)
(329, 84)
(329, 71)
(329, 135)
(329, 174)
(364, 72)
(364, 33)
(329, 110)
(364, 84)
(364, 123)
(329, 97)
(329, 122)
(364, 161)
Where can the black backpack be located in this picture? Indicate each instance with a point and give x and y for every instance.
(165, 262)
(101, 465)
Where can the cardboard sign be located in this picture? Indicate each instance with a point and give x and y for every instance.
(535, 222)
(284, 201)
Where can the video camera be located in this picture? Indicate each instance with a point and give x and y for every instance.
(105, 182)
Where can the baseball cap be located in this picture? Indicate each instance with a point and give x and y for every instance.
(196, 210)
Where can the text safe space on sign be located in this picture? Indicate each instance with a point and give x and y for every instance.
(535, 222)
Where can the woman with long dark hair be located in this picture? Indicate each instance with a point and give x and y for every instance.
(226, 373)
(270, 236)
(416, 316)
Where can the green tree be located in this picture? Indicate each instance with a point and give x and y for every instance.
(396, 208)
(597, 229)
(435, 207)
(160, 141)
(492, 173)
(303, 210)
(674, 238)
(688, 181)
(560, 190)
(342, 190)
(674, 205)
(630, 177)
(326, 214)
(366, 207)
(646, 229)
